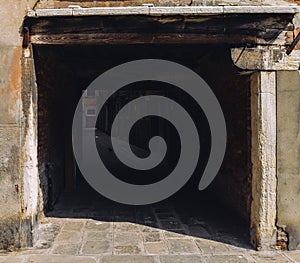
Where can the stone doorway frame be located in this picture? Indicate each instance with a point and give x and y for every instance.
(261, 61)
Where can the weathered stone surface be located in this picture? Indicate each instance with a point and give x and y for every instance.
(141, 10)
(129, 249)
(294, 255)
(270, 257)
(125, 227)
(155, 248)
(166, 8)
(96, 247)
(187, 10)
(265, 58)
(98, 235)
(181, 246)
(182, 259)
(226, 259)
(54, 12)
(68, 236)
(152, 237)
(14, 260)
(211, 247)
(263, 111)
(66, 249)
(98, 226)
(55, 259)
(128, 259)
(73, 226)
(122, 239)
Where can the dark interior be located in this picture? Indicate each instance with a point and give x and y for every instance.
(64, 72)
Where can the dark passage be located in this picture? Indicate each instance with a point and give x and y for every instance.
(63, 74)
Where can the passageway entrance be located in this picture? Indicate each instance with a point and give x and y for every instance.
(64, 73)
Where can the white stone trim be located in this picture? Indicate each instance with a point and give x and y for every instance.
(160, 11)
(263, 157)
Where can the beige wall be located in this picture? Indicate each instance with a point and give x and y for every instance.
(13, 220)
(288, 154)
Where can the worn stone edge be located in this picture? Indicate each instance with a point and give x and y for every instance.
(149, 10)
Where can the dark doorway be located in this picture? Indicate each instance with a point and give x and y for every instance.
(63, 74)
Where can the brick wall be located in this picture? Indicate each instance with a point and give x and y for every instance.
(50, 129)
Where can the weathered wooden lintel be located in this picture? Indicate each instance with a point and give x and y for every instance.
(265, 58)
(237, 30)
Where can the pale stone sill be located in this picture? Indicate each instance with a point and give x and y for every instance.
(160, 11)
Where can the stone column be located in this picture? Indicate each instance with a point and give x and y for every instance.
(263, 111)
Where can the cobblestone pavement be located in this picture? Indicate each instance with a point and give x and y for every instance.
(152, 234)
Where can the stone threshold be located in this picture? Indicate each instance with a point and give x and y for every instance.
(151, 10)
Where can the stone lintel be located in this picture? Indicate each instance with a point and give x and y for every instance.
(164, 10)
(265, 58)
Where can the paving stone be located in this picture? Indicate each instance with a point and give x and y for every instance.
(32, 251)
(66, 249)
(181, 259)
(182, 246)
(124, 239)
(14, 260)
(149, 229)
(68, 236)
(210, 247)
(226, 259)
(128, 259)
(152, 237)
(176, 234)
(98, 235)
(155, 248)
(98, 226)
(295, 255)
(60, 258)
(270, 257)
(127, 250)
(238, 248)
(73, 226)
(126, 227)
(96, 247)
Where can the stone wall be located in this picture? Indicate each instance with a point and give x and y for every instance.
(50, 137)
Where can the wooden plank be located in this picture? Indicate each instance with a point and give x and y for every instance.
(232, 29)
(138, 38)
(177, 24)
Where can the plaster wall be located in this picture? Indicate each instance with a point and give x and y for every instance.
(288, 155)
(15, 229)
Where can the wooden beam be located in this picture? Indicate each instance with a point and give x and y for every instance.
(138, 38)
(232, 29)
